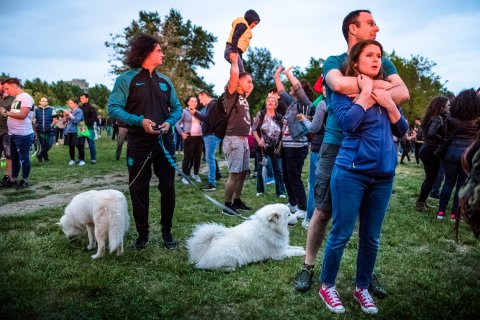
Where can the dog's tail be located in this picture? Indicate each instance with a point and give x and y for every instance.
(200, 241)
(118, 222)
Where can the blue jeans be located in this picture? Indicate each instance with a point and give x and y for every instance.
(311, 184)
(367, 198)
(454, 177)
(20, 154)
(91, 144)
(211, 144)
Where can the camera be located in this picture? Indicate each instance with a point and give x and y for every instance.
(158, 128)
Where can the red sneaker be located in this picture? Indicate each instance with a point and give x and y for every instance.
(440, 215)
(453, 217)
(366, 301)
(331, 298)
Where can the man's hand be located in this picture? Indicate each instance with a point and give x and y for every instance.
(148, 125)
(382, 84)
(383, 98)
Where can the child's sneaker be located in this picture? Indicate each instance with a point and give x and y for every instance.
(366, 301)
(440, 215)
(331, 298)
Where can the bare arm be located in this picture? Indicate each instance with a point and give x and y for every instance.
(19, 115)
(278, 82)
(234, 73)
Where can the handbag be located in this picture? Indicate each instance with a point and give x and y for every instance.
(277, 149)
(82, 130)
(441, 149)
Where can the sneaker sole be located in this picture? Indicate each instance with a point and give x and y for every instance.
(366, 310)
(332, 309)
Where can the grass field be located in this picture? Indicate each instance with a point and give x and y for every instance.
(45, 276)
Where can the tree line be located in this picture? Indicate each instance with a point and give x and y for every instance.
(189, 47)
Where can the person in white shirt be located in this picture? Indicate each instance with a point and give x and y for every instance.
(20, 131)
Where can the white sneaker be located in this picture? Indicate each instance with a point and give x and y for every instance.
(71, 162)
(81, 163)
(185, 181)
(305, 223)
(292, 208)
(196, 178)
(259, 194)
(292, 219)
(282, 196)
(301, 214)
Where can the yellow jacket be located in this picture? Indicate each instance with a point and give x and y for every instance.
(244, 40)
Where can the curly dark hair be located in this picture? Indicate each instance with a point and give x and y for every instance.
(140, 48)
(466, 106)
(434, 109)
(349, 68)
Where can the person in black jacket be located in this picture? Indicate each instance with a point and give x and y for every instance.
(266, 129)
(434, 125)
(90, 117)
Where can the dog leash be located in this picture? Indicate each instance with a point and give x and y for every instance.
(191, 183)
(172, 162)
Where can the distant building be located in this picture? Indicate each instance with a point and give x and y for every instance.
(82, 83)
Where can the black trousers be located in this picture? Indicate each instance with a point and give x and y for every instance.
(431, 165)
(139, 190)
(192, 151)
(292, 162)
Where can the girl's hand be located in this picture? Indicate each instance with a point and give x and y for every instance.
(277, 72)
(261, 143)
(365, 83)
(289, 70)
(184, 135)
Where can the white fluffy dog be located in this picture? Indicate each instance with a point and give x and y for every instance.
(265, 236)
(100, 213)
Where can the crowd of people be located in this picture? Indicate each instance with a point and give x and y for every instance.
(355, 130)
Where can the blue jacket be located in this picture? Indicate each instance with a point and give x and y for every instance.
(72, 124)
(44, 119)
(367, 146)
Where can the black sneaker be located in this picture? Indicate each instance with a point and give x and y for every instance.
(230, 206)
(209, 187)
(4, 182)
(238, 204)
(141, 243)
(169, 242)
(303, 279)
(22, 185)
(377, 289)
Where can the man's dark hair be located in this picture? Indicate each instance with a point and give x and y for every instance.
(351, 18)
(140, 48)
(205, 93)
(84, 95)
(244, 74)
(13, 81)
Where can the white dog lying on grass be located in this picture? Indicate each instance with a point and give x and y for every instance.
(213, 246)
(101, 213)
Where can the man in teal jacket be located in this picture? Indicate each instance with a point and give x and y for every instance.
(147, 102)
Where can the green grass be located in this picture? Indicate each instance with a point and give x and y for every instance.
(45, 276)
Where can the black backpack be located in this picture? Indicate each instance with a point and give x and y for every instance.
(218, 117)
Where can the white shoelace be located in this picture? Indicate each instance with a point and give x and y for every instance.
(333, 296)
(367, 299)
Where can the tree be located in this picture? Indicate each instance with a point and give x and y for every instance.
(38, 89)
(98, 95)
(65, 90)
(422, 83)
(261, 65)
(186, 47)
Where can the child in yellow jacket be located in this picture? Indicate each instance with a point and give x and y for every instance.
(240, 36)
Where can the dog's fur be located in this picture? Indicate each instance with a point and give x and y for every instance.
(100, 213)
(213, 246)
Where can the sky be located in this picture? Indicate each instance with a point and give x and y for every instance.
(63, 40)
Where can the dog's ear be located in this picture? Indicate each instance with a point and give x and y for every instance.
(273, 217)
